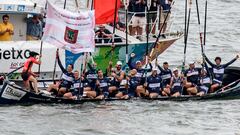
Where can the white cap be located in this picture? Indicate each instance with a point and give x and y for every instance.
(191, 62)
(138, 61)
(175, 69)
(119, 63)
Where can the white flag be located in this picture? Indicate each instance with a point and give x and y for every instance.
(70, 31)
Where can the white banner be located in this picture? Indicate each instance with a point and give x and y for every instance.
(12, 93)
(70, 31)
(14, 54)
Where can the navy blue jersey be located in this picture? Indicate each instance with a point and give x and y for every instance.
(165, 5)
(204, 83)
(77, 88)
(166, 75)
(192, 75)
(133, 83)
(103, 86)
(177, 84)
(66, 78)
(138, 8)
(154, 83)
(218, 70)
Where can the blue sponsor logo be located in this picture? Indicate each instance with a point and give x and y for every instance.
(21, 8)
(9, 7)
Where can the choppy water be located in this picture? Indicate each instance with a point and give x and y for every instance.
(138, 117)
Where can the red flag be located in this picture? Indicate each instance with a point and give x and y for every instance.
(104, 10)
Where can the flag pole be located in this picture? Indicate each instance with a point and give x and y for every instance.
(114, 28)
(55, 64)
(126, 4)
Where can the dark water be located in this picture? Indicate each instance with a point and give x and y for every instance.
(141, 118)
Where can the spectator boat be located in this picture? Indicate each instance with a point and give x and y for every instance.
(14, 53)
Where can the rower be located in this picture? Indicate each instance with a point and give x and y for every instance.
(166, 74)
(118, 76)
(91, 76)
(134, 81)
(218, 71)
(102, 84)
(192, 75)
(66, 79)
(176, 85)
(76, 89)
(141, 72)
(27, 74)
(153, 84)
(202, 86)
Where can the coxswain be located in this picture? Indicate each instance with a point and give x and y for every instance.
(141, 74)
(27, 74)
(76, 89)
(153, 84)
(66, 79)
(165, 74)
(192, 75)
(176, 85)
(218, 71)
(118, 76)
(102, 84)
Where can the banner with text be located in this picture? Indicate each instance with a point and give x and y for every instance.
(70, 31)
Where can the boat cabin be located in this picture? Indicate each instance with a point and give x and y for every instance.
(18, 12)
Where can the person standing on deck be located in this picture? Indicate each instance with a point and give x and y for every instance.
(34, 28)
(141, 74)
(6, 29)
(218, 71)
(27, 74)
(139, 19)
(153, 15)
(166, 13)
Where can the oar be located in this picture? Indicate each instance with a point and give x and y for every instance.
(204, 42)
(161, 28)
(39, 67)
(55, 64)
(159, 22)
(10, 73)
(230, 84)
(187, 20)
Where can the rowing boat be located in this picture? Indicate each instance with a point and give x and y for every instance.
(11, 93)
